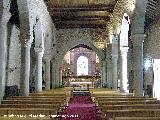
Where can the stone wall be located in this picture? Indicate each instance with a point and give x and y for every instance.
(152, 42)
(69, 38)
(151, 50)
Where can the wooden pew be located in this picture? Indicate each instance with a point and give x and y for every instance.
(25, 118)
(116, 98)
(137, 118)
(124, 99)
(37, 99)
(130, 106)
(30, 106)
(112, 114)
(30, 102)
(46, 94)
(101, 103)
(28, 111)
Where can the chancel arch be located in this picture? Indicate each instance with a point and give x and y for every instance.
(71, 64)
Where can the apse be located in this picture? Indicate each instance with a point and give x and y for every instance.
(81, 64)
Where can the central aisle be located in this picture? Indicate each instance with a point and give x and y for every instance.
(81, 108)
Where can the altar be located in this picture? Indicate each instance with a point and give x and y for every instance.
(85, 81)
(81, 90)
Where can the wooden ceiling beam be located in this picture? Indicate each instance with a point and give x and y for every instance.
(77, 18)
(108, 8)
(85, 13)
(82, 22)
(69, 26)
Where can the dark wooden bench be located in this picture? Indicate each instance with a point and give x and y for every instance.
(104, 108)
(112, 114)
(137, 118)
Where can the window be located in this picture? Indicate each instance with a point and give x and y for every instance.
(82, 66)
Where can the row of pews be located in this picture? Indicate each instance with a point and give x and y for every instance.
(36, 106)
(127, 107)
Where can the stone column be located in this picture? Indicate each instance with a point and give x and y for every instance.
(47, 73)
(3, 49)
(53, 74)
(60, 77)
(25, 68)
(124, 75)
(138, 64)
(114, 61)
(57, 75)
(109, 74)
(114, 72)
(104, 72)
(109, 66)
(138, 38)
(38, 81)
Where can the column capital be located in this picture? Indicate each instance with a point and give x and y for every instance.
(47, 58)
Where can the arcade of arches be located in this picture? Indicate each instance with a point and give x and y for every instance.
(43, 43)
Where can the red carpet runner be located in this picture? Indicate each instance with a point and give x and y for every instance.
(81, 108)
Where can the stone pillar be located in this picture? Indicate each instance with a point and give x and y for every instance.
(138, 64)
(60, 77)
(25, 68)
(57, 75)
(124, 75)
(109, 74)
(53, 74)
(3, 49)
(109, 66)
(114, 61)
(38, 81)
(114, 72)
(138, 38)
(47, 73)
(104, 72)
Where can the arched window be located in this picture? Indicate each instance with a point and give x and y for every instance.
(82, 66)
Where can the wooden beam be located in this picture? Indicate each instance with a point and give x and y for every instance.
(81, 24)
(78, 18)
(84, 13)
(70, 26)
(101, 7)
